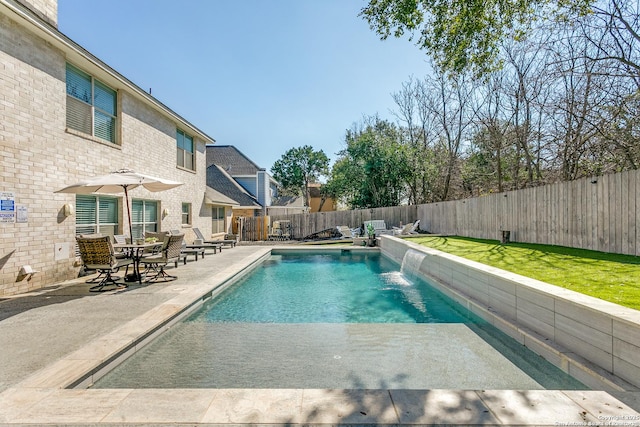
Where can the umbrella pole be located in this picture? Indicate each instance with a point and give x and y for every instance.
(126, 198)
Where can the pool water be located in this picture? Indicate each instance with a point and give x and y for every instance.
(337, 320)
(331, 288)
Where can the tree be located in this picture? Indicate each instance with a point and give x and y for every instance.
(463, 35)
(613, 30)
(372, 170)
(422, 134)
(299, 167)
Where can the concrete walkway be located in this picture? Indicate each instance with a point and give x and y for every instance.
(66, 336)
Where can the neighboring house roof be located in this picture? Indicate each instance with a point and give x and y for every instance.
(288, 202)
(223, 183)
(232, 160)
(214, 197)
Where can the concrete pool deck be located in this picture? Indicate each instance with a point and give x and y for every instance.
(51, 339)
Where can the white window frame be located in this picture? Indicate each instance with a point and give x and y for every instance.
(186, 213)
(146, 224)
(216, 220)
(185, 159)
(97, 226)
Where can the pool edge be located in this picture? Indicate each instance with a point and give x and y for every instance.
(551, 321)
(42, 399)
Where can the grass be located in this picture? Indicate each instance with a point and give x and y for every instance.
(611, 277)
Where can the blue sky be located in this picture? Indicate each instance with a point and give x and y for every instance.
(263, 75)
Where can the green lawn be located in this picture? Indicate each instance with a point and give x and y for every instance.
(611, 277)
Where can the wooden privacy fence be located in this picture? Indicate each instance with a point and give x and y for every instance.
(252, 229)
(305, 224)
(598, 213)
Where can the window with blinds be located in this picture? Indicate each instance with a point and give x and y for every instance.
(96, 215)
(186, 155)
(91, 105)
(144, 217)
(218, 219)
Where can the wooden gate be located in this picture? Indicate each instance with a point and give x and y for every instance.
(252, 229)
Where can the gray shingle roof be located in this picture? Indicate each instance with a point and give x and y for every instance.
(220, 180)
(229, 158)
(214, 197)
(288, 201)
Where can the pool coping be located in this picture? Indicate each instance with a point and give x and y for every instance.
(561, 325)
(45, 398)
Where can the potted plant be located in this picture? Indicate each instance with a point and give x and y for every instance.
(371, 233)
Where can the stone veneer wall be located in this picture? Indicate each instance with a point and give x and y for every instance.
(40, 156)
(587, 337)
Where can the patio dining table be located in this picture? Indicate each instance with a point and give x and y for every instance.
(136, 252)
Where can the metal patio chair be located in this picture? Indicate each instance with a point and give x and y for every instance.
(155, 263)
(97, 253)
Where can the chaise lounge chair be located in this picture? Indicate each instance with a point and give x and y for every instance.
(346, 232)
(200, 236)
(409, 229)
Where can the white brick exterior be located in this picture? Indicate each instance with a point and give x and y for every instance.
(45, 9)
(40, 156)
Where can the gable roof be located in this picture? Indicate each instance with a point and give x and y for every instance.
(232, 160)
(214, 197)
(223, 183)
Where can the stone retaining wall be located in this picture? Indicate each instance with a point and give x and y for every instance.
(595, 341)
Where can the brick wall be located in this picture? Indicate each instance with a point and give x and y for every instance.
(39, 156)
(45, 9)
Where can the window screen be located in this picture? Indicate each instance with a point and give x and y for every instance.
(91, 105)
(186, 213)
(96, 215)
(144, 217)
(185, 153)
(218, 219)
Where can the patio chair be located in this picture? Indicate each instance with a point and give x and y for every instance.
(200, 236)
(169, 252)
(346, 232)
(408, 229)
(97, 253)
(100, 275)
(158, 235)
(379, 226)
(185, 251)
(201, 243)
(204, 246)
(196, 251)
(121, 239)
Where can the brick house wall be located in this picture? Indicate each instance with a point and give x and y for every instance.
(40, 156)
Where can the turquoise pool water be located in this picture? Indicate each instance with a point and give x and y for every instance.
(331, 288)
(335, 320)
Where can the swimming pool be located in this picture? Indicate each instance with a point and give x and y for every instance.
(339, 320)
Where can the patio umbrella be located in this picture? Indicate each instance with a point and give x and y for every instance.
(117, 182)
